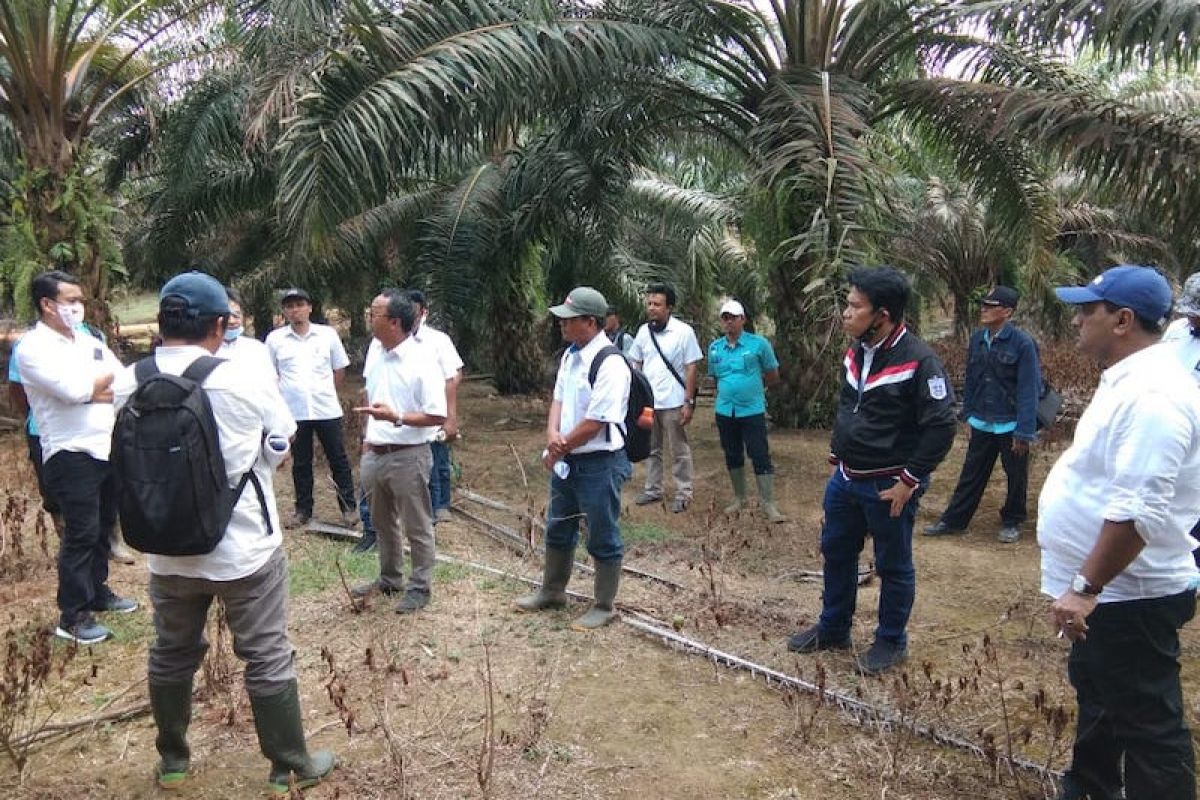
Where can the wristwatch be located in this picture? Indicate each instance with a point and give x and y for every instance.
(690, 402)
(1080, 585)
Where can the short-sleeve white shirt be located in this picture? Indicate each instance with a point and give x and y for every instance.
(1185, 346)
(59, 375)
(407, 378)
(246, 406)
(448, 358)
(1135, 457)
(305, 365)
(604, 402)
(679, 345)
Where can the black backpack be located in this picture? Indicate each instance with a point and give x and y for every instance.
(172, 493)
(641, 398)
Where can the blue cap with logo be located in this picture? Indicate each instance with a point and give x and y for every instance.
(203, 294)
(1143, 290)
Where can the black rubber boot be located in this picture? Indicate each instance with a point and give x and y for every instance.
(281, 737)
(608, 578)
(556, 574)
(171, 704)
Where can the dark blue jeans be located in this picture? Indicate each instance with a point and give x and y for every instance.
(329, 431)
(1132, 730)
(83, 488)
(748, 434)
(852, 510)
(439, 480)
(593, 490)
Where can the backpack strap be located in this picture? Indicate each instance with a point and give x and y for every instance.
(594, 372)
(199, 370)
(144, 370)
(252, 478)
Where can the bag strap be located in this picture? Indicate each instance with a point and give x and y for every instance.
(594, 372)
(199, 370)
(670, 366)
(251, 477)
(144, 370)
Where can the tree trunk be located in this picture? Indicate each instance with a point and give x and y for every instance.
(514, 345)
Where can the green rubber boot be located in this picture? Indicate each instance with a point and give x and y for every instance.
(171, 704)
(556, 573)
(281, 737)
(766, 498)
(608, 578)
(737, 477)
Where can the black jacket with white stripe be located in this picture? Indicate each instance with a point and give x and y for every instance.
(897, 421)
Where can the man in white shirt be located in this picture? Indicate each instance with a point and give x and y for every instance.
(406, 404)
(311, 362)
(247, 569)
(586, 457)
(1113, 522)
(666, 349)
(451, 364)
(236, 346)
(68, 377)
(1183, 337)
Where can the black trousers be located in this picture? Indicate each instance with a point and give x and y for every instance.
(749, 433)
(1126, 679)
(34, 445)
(329, 432)
(84, 490)
(977, 467)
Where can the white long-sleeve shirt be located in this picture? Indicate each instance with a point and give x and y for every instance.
(59, 375)
(1136, 457)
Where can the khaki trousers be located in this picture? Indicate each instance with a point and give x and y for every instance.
(397, 487)
(669, 430)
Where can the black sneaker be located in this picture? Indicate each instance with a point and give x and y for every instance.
(366, 544)
(810, 640)
(115, 604)
(413, 600)
(881, 657)
(940, 528)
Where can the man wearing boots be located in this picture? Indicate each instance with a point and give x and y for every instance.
(895, 423)
(406, 404)
(1004, 379)
(586, 457)
(743, 365)
(1113, 522)
(247, 570)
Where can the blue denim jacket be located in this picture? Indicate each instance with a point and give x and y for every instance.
(1004, 381)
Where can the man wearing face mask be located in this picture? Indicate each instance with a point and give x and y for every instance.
(68, 377)
(236, 346)
(895, 423)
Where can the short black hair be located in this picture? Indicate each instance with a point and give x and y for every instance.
(885, 288)
(235, 296)
(45, 286)
(663, 289)
(401, 306)
(1151, 326)
(177, 321)
(416, 297)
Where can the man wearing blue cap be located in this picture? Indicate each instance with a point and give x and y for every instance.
(247, 568)
(1113, 522)
(1004, 378)
(68, 377)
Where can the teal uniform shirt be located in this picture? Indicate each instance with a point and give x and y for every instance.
(739, 370)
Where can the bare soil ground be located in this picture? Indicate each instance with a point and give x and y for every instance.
(470, 699)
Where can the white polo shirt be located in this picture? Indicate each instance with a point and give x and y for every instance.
(305, 366)
(408, 379)
(59, 375)
(448, 358)
(250, 352)
(679, 345)
(1135, 457)
(605, 402)
(1185, 346)
(246, 406)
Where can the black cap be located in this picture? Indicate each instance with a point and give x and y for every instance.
(1002, 296)
(295, 294)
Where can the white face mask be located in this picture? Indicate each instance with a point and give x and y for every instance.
(71, 314)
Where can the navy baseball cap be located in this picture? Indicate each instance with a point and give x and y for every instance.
(295, 294)
(1001, 296)
(204, 294)
(1143, 290)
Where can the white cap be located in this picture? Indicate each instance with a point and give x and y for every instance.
(733, 307)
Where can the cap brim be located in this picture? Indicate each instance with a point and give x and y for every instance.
(1076, 295)
(565, 311)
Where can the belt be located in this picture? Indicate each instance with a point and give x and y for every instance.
(390, 448)
(573, 457)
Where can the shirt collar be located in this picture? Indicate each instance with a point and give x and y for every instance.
(402, 349)
(1127, 365)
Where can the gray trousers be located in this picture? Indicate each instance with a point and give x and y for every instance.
(397, 487)
(669, 433)
(256, 609)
